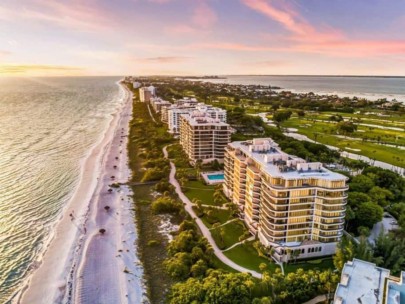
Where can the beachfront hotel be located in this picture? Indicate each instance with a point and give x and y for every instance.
(204, 137)
(365, 282)
(291, 205)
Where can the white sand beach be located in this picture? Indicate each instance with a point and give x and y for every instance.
(81, 265)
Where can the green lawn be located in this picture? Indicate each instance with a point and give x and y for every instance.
(246, 256)
(321, 264)
(232, 232)
(220, 265)
(219, 215)
(197, 189)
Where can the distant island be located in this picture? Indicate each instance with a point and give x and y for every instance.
(202, 77)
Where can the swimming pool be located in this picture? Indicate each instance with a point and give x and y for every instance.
(215, 177)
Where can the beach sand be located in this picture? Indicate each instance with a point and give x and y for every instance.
(81, 265)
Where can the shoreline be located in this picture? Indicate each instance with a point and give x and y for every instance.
(55, 278)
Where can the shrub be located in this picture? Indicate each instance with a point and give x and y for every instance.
(165, 204)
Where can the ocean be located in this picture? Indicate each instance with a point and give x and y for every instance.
(371, 88)
(47, 127)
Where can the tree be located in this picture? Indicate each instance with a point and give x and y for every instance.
(355, 199)
(280, 116)
(368, 214)
(199, 269)
(344, 252)
(380, 195)
(350, 215)
(301, 113)
(361, 183)
(346, 127)
(217, 287)
(178, 266)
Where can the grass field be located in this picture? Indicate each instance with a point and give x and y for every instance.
(218, 216)
(200, 191)
(247, 256)
(231, 234)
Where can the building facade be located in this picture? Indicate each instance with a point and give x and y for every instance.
(204, 138)
(173, 116)
(295, 207)
(144, 94)
(175, 111)
(158, 103)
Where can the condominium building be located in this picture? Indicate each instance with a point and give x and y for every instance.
(365, 282)
(203, 137)
(187, 100)
(158, 103)
(145, 94)
(176, 111)
(213, 112)
(290, 204)
(136, 85)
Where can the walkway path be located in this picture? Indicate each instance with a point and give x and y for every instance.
(226, 223)
(150, 113)
(215, 207)
(239, 243)
(318, 299)
(204, 230)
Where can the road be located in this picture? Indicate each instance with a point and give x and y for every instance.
(204, 230)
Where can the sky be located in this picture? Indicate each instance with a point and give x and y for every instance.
(202, 37)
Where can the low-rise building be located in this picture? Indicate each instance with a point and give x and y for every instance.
(293, 206)
(364, 282)
(203, 137)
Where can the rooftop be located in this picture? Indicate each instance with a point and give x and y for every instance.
(361, 282)
(197, 118)
(280, 164)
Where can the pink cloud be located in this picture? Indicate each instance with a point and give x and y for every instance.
(75, 15)
(164, 59)
(180, 29)
(304, 37)
(204, 16)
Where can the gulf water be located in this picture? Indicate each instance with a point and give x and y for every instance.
(372, 88)
(47, 127)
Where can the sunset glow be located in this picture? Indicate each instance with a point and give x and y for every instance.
(40, 37)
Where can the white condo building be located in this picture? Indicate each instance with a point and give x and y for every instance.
(175, 111)
(290, 204)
